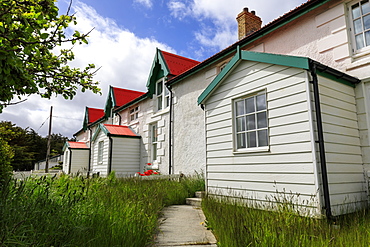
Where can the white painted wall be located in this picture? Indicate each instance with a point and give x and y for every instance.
(342, 145)
(80, 160)
(102, 167)
(125, 156)
(289, 163)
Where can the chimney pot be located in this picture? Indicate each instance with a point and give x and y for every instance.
(245, 9)
(253, 12)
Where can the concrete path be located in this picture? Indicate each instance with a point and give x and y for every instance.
(183, 225)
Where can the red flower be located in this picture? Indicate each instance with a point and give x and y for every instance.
(149, 164)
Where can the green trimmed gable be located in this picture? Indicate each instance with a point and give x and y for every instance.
(159, 70)
(284, 60)
(110, 103)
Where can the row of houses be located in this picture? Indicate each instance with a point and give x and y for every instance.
(284, 109)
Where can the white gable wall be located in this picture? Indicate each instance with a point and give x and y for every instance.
(289, 164)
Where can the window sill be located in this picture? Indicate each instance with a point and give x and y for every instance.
(360, 59)
(161, 112)
(252, 150)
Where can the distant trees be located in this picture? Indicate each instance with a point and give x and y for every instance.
(26, 146)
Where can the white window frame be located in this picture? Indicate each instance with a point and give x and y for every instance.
(162, 97)
(154, 142)
(134, 113)
(242, 132)
(100, 151)
(353, 30)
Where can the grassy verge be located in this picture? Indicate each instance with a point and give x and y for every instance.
(77, 211)
(236, 224)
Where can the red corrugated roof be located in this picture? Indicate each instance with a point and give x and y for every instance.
(119, 130)
(80, 145)
(124, 96)
(94, 114)
(177, 64)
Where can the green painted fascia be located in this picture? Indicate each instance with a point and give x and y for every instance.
(65, 146)
(86, 119)
(248, 41)
(290, 61)
(111, 101)
(212, 86)
(332, 77)
(123, 136)
(159, 69)
(100, 128)
(284, 60)
(135, 101)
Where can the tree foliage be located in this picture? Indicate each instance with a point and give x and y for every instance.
(25, 146)
(31, 31)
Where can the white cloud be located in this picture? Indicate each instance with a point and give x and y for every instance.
(220, 16)
(146, 3)
(125, 62)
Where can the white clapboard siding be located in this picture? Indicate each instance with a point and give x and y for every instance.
(288, 165)
(126, 156)
(341, 132)
(80, 160)
(101, 168)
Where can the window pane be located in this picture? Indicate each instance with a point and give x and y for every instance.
(250, 105)
(154, 146)
(167, 101)
(159, 88)
(261, 102)
(367, 22)
(252, 139)
(356, 11)
(367, 36)
(358, 26)
(159, 103)
(262, 138)
(359, 41)
(241, 140)
(239, 105)
(365, 7)
(240, 124)
(166, 91)
(262, 120)
(154, 133)
(251, 122)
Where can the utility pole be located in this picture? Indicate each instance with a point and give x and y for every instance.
(49, 139)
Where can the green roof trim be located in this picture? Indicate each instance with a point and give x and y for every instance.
(99, 128)
(284, 60)
(290, 61)
(334, 78)
(111, 101)
(159, 69)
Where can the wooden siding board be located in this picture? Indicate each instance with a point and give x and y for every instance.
(291, 168)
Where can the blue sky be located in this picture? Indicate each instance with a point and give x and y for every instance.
(123, 42)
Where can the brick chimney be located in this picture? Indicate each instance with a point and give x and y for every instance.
(248, 23)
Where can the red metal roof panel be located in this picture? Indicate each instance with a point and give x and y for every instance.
(120, 130)
(94, 114)
(177, 64)
(79, 145)
(124, 96)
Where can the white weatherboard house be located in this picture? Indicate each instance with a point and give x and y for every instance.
(265, 114)
(115, 148)
(310, 109)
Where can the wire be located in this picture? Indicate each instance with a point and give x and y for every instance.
(42, 124)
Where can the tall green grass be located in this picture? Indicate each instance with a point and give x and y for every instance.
(236, 224)
(66, 211)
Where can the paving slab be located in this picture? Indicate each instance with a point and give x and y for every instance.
(183, 225)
